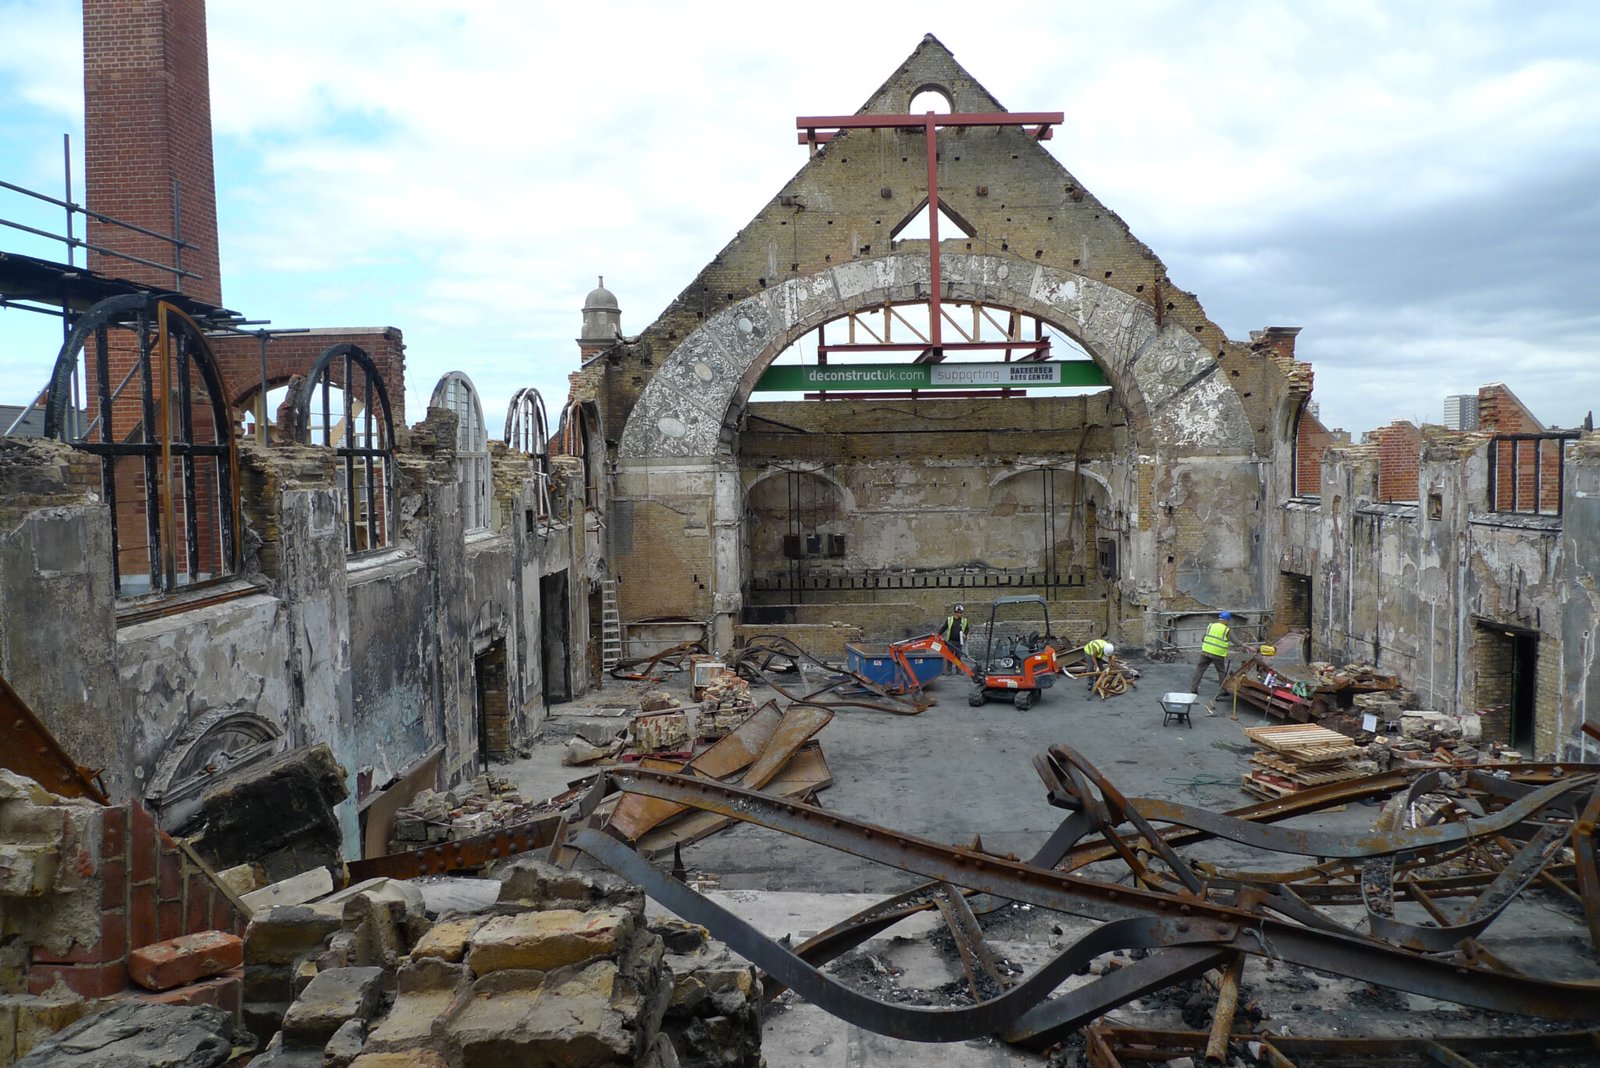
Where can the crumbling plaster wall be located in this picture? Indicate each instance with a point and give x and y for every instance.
(821, 249)
(371, 654)
(931, 484)
(1411, 586)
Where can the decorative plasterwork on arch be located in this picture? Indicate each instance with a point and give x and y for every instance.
(1177, 397)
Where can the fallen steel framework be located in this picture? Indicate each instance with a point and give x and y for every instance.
(1483, 836)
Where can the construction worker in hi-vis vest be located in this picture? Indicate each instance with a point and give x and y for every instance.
(1214, 648)
(954, 631)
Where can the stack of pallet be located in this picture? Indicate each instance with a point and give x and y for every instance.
(1298, 756)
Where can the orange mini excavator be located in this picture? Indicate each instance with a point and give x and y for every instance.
(1018, 664)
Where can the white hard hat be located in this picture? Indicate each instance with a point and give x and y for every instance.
(1110, 648)
(961, 608)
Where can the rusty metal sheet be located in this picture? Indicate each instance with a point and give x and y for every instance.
(636, 815)
(28, 748)
(800, 723)
(807, 773)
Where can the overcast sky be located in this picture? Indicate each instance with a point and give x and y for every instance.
(1415, 184)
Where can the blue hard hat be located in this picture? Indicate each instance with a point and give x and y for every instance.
(1224, 615)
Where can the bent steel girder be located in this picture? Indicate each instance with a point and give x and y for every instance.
(1301, 842)
(1345, 954)
(916, 1023)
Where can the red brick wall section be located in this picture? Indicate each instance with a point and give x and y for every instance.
(1523, 469)
(294, 354)
(147, 124)
(1311, 441)
(149, 892)
(1399, 456)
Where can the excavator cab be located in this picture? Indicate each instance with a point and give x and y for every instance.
(1019, 662)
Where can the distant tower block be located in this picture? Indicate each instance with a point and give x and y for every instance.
(1461, 412)
(602, 321)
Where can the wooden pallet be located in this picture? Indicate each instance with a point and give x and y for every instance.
(1315, 775)
(1303, 743)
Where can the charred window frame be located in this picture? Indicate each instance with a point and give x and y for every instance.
(456, 393)
(345, 405)
(158, 418)
(528, 431)
(1528, 472)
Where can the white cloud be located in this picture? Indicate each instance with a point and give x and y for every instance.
(465, 172)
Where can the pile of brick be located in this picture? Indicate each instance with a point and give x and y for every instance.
(97, 902)
(1440, 738)
(1296, 756)
(564, 968)
(450, 815)
(725, 704)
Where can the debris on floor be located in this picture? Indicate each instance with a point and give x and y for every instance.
(1304, 693)
(562, 967)
(470, 809)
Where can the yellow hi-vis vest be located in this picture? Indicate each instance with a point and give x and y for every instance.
(1216, 640)
(1096, 649)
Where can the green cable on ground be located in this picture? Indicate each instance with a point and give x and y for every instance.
(1202, 780)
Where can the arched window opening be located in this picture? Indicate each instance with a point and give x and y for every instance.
(581, 438)
(929, 98)
(158, 419)
(455, 393)
(528, 431)
(345, 406)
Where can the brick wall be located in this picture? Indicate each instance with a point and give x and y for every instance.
(147, 124)
(294, 354)
(1399, 458)
(1527, 474)
(143, 889)
(1311, 441)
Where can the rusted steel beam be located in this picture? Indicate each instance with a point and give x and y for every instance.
(28, 748)
(1227, 1007)
(1342, 954)
(983, 975)
(465, 855)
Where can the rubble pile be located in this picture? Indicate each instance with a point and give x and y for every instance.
(724, 705)
(470, 809)
(563, 968)
(1312, 694)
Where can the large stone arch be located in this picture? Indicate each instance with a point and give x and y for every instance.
(1177, 397)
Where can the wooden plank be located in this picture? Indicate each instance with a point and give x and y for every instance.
(806, 774)
(636, 814)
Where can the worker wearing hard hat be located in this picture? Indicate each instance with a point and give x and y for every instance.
(954, 631)
(1099, 653)
(1214, 649)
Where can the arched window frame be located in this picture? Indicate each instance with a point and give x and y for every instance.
(171, 350)
(528, 431)
(455, 392)
(367, 458)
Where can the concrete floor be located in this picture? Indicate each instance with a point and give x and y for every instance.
(955, 772)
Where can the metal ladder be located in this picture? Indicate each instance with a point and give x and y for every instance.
(610, 625)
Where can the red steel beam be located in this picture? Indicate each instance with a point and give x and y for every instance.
(917, 394)
(1044, 119)
(825, 137)
(918, 346)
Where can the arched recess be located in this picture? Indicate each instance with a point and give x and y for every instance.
(795, 518)
(1176, 398)
(157, 416)
(456, 393)
(211, 744)
(1044, 517)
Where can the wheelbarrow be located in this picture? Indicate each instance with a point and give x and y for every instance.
(1176, 706)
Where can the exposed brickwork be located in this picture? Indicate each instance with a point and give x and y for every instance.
(145, 889)
(147, 125)
(295, 354)
(1311, 440)
(1399, 459)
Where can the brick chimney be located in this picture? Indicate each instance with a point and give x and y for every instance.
(147, 125)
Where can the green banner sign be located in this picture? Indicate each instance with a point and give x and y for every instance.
(845, 377)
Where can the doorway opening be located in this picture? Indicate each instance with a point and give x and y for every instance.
(555, 639)
(1507, 667)
(491, 683)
